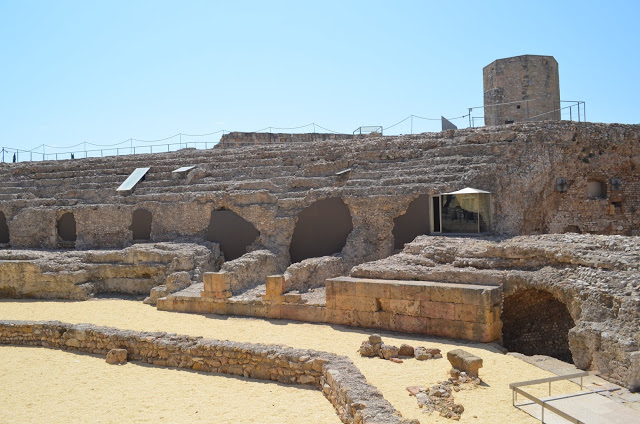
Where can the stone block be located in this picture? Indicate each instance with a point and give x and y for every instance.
(356, 303)
(465, 361)
(482, 332)
(330, 300)
(447, 293)
(117, 356)
(344, 286)
(410, 324)
(292, 298)
(467, 313)
(438, 310)
(216, 281)
(405, 307)
(445, 328)
(482, 296)
(374, 288)
(415, 291)
(377, 320)
(304, 313)
(275, 285)
(344, 317)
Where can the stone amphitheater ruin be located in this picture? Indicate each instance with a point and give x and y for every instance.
(541, 254)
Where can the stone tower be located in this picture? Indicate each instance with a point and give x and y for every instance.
(521, 88)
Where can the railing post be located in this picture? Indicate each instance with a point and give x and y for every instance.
(579, 112)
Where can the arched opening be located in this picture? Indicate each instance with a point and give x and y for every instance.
(321, 230)
(232, 232)
(141, 224)
(414, 222)
(4, 229)
(67, 227)
(536, 323)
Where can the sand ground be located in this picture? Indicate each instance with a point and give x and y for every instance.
(43, 385)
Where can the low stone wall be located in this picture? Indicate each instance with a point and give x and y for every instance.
(341, 382)
(459, 311)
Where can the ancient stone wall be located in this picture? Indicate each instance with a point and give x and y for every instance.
(459, 311)
(355, 400)
(521, 88)
(243, 139)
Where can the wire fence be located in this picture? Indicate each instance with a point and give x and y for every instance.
(412, 124)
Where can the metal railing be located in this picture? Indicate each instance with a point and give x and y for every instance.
(516, 390)
(368, 129)
(574, 110)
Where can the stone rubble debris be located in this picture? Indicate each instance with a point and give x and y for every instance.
(117, 356)
(374, 346)
(439, 398)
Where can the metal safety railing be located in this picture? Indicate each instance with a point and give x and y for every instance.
(516, 390)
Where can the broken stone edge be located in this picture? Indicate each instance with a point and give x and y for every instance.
(354, 399)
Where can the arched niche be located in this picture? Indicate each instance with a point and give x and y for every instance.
(414, 222)
(4, 229)
(321, 230)
(141, 224)
(536, 323)
(66, 227)
(232, 232)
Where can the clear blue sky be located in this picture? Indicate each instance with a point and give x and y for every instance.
(107, 71)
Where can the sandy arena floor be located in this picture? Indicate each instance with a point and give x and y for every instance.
(44, 385)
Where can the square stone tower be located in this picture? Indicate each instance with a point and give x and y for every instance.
(521, 88)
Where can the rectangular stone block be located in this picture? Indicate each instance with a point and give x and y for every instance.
(304, 313)
(447, 293)
(410, 324)
(356, 303)
(467, 313)
(345, 286)
(405, 307)
(377, 320)
(216, 281)
(330, 301)
(338, 316)
(372, 289)
(446, 328)
(483, 333)
(410, 291)
(438, 310)
(483, 296)
(275, 285)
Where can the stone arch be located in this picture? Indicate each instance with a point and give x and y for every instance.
(66, 227)
(414, 222)
(536, 323)
(232, 232)
(321, 229)
(141, 224)
(4, 229)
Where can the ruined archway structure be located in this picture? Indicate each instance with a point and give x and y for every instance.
(232, 232)
(141, 220)
(376, 178)
(321, 229)
(66, 227)
(536, 323)
(412, 223)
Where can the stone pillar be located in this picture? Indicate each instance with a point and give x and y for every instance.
(217, 285)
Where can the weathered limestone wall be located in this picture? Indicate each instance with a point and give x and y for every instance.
(459, 311)
(595, 277)
(529, 84)
(341, 382)
(243, 139)
(81, 274)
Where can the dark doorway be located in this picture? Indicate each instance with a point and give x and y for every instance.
(436, 214)
(67, 227)
(414, 222)
(232, 232)
(4, 229)
(321, 230)
(536, 323)
(141, 224)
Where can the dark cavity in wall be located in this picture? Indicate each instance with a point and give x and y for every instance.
(321, 230)
(67, 227)
(535, 323)
(4, 229)
(232, 232)
(414, 222)
(141, 224)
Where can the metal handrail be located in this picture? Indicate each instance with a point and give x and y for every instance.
(515, 388)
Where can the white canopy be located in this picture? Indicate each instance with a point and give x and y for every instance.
(469, 190)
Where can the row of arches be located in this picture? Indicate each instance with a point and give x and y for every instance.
(321, 229)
